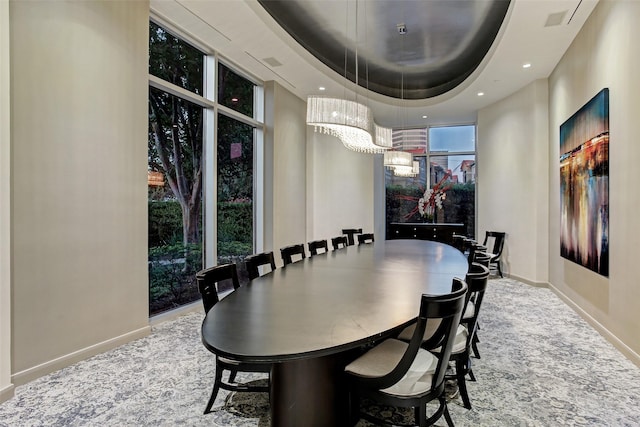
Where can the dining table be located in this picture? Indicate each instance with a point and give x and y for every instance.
(312, 317)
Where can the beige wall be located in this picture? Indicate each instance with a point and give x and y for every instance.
(512, 179)
(341, 191)
(286, 167)
(604, 54)
(6, 386)
(518, 173)
(79, 160)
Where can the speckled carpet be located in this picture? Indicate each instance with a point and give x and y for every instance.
(541, 365)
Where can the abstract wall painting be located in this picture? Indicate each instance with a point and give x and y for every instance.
(584, 185)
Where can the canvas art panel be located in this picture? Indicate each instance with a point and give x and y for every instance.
(584, 185)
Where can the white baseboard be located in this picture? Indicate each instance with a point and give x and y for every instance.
(23, 377)
(528, 281)
(7, 393)
(608, 335)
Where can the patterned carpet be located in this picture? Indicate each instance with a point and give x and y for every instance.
(541, 365)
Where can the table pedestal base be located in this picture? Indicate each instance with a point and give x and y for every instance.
(310, 392)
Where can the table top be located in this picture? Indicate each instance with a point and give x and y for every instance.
(330, 302)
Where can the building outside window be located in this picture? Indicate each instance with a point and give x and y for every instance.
(449, 153)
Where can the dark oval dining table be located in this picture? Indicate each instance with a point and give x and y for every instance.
(311, 317)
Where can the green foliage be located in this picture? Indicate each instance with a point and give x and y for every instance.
(172, 271)
(235, 172)
(398, 208)
(165, 223)
(235, 225)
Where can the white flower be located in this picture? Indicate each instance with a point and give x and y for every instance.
(421, 206)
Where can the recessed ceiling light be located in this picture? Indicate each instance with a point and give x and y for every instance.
(527, 65)
(424, 117)
(321, 88)
(480, 93)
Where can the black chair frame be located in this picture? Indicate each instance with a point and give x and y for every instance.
(476, 279)
(253, 262)
(365, 238)
(207, 280)
(337, 241)
(496, 251)
(448, 310)
(350, 232)
(315, 245)
(288, 252)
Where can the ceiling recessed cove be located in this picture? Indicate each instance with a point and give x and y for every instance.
(447, 40)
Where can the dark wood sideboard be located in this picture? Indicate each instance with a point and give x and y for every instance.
(439, 232)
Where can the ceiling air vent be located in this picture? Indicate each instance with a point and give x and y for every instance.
(272, 61)
(555, 19)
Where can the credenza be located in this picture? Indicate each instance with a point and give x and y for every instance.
(439, 232)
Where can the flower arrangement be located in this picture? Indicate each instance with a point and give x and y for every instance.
(431, 199)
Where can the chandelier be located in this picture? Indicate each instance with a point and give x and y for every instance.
(350, 122)
(402, 163)
(407, 171)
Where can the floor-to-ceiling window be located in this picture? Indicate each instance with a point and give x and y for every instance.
(201, 166)
(446, 156)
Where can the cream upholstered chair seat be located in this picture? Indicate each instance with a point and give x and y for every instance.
(403, 374)
(379, 360)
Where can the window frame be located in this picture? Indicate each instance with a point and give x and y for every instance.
(211, 109)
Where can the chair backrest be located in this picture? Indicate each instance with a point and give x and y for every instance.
(474, 247)
(477, 279)
(209, 278)
(253, 262)
(482, 258)
(349, 232)
(365, 238)
(317, 244)
(498, 241)
(446, 310)
(288, 252)
(338, 242)
(458, 242)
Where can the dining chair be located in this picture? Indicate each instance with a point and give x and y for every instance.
(254, 262)
(466, 333)
(349, 232)
(208, 280)
(365, 238)
(288, 252)
(496, 250)
(482, 258)
(404, 374)
(476, 280)
(339, 242)
(478, 275)
(316, 245)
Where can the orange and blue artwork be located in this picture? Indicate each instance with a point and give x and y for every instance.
(584, 185)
